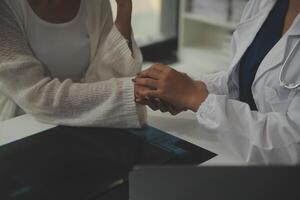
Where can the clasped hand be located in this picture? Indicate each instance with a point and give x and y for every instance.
(163, 88)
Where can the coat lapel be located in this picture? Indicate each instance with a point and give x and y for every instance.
(245, 34)
(281, 50)
(247, 31)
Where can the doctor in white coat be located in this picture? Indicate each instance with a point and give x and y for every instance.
(269, 133)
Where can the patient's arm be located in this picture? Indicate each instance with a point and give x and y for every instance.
(123, 20)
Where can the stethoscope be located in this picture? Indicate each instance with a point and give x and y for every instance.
(284, 83)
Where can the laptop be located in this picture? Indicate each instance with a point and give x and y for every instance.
(215, 183)
(87, 163)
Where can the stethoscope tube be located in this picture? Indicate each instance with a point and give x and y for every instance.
(283, 83)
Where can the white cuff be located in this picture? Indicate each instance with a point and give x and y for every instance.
(206, 112)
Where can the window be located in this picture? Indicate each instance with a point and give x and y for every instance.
(155, 27)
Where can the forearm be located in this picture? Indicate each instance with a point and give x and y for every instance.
(257, 137)
(123, 20)
(76, 104)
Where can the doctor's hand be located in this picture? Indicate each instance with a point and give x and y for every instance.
(176, 88)
(155, 103)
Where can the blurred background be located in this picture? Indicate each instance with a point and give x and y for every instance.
(191, 35)
(151, 24)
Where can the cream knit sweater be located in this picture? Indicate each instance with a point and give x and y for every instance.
(104, 98)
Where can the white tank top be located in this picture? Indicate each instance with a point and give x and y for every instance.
(63, 48)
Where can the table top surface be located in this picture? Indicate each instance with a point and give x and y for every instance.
(183, 126)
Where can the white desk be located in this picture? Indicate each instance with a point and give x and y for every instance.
(184, 126)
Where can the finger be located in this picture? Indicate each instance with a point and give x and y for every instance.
(162, 107)
(160, 67)
(146, 92)
(137, 94)
(172, 110)
(150, 93)
(145, 101)
(152, 104)
(140, 90)
(150, 73)
(147, 82)
(141, 101)
(175, 111)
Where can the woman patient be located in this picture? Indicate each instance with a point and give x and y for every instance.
(254, 108)
(66, 62)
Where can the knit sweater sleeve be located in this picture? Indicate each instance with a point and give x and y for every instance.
(23, 79)
(111, 54)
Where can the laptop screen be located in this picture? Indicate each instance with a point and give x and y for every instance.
(85, 163)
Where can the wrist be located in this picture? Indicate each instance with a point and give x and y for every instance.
(195, 102)
(124, 11)
(124, 5)
(198, 96)
(123, 19)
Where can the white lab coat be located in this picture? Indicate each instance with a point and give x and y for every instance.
(272, 134)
